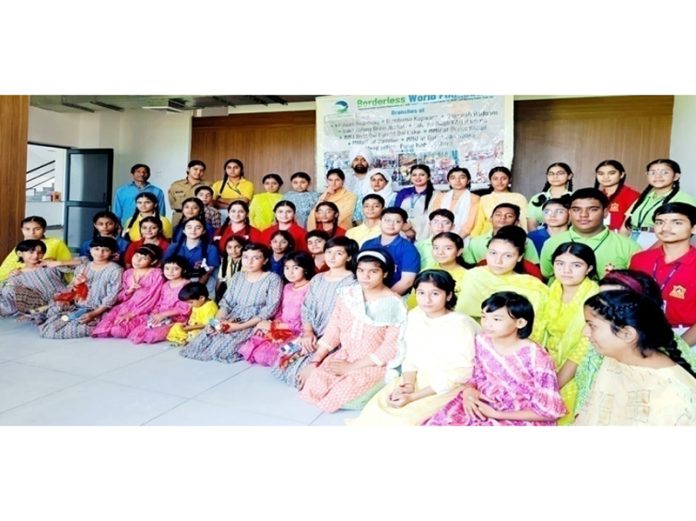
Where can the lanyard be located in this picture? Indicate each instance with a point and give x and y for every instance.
(671, 274)
(643, 214)
(600, 242)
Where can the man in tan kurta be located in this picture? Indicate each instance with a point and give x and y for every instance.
(185, 188)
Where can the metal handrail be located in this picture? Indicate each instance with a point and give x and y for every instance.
(40, 175)
(39, 167)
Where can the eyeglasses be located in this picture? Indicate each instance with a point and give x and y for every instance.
(557, 211)
(653, 173)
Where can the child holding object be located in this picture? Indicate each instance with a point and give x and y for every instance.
(514, 380)
(203, 311)
(253, 296)
(439, 357)
(95, 290)
(140, 291)
(168, 310)
(270, 335)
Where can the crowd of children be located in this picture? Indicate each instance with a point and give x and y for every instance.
(418, 307)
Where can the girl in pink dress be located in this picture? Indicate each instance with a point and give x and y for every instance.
(264, 346)
(168, 310)
(363, 343)
(514, 380)
(139, 293)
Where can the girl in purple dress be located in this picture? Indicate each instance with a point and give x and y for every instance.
(139, 293)
(168, 310)
(269, 335)
(514, 380)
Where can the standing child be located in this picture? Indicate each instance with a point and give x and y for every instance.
(663, 187)
(447, 251)
(212, 215)
(561, 317)
(316, 243)
(203, 311)
(145, 205)
(282, 244)
(193, 245)
(610, 178)
(643, 380)
(32, 286)
(237, 225)
(191, 207)
(261, 206)
(140, 291)
(559, 182)
(284, 213)
(106, 224)
(150, 233)
(269, 335)
(102, 280)
(34, 228)
(253, 296)
(301, 197)
(169, 309)
(230, 263)
(514, 380)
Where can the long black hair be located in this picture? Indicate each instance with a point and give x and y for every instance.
(441, 280)
(108, 215)
(542, 197)
(581, 251)
(333, 207)
(675, 186)
(617, 166)
(516, 236)
(227, 222)
(629, 309)
(430, 188)
(458, 243)
(143, 195)
(205, 240)
(224, 173)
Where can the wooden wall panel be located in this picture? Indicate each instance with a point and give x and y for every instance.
(280, 142)
(14, 123)
(584, 131)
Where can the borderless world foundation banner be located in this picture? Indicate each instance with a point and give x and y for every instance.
(440, 131)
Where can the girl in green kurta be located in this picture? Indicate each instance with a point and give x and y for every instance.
(663, 187)
(562, 318)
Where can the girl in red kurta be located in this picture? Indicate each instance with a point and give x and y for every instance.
(610, 179)
(284, 212)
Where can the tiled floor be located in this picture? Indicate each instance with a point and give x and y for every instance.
(113, 382)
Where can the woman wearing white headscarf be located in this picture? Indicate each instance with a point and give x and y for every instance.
(379, 182)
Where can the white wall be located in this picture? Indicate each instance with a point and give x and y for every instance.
(160, 140)
(683, 140)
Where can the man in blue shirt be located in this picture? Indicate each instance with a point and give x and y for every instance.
(404, 253)
(124, 198)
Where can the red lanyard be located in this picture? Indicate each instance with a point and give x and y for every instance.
(671, 274)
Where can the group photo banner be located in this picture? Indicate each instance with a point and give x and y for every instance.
(441, 131)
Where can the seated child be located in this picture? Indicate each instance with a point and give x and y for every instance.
(101, 278)
(140, 291)
(31, 287)
(154, 327)
(202, 312)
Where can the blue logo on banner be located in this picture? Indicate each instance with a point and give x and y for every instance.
(341, 106)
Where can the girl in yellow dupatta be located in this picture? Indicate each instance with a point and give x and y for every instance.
(562, 318)
(447, 252)
(503, 272)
